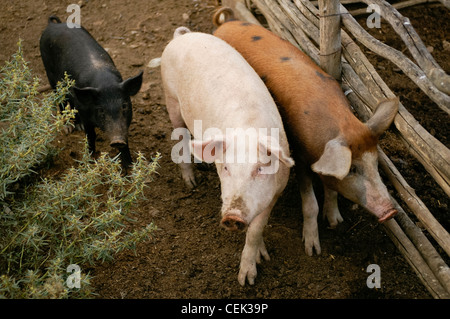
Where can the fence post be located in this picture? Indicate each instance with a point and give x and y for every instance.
(330, 37)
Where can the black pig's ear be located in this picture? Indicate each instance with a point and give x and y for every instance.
(132, 85)
(86, 96)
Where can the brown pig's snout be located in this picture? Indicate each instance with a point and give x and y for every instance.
(233, 222)
(388, 215)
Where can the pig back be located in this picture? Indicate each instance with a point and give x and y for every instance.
(214, 83)
(75, 51)
(311, 103)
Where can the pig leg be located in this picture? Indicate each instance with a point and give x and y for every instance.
(330, 207)
(173, 108)
(125, 157)
(254, 247)
(310, 210)
(91, 136)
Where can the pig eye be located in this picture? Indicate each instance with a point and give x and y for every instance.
(259, 171)
(353, 170)
(225, 168)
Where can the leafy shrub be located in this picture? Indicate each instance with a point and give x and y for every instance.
(27, 122)
(80, 218)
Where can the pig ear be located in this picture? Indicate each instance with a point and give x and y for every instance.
(86, 96)
(383, 116)
(132, 85)
(335, 160)
(209, 151)
(274, 148)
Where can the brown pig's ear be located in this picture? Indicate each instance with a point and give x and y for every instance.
(383, 116)
(335, 160)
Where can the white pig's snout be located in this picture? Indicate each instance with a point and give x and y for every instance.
(233, 221)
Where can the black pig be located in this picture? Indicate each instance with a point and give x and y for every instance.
(100, 96)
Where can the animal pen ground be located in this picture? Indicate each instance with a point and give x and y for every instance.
(190, 256)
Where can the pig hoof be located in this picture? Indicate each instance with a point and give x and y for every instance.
(190, 183)
(247, 272)
(189, 179)
(312, 243)
(311, 239)
(68, 129)
(334, 218)
(262, 252)
(310, 247)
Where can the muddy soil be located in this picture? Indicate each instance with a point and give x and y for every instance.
(190, 256)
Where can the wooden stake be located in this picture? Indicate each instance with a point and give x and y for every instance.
(366, 89)
(330, 37)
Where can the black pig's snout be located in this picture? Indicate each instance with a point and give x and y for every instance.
(118, 143)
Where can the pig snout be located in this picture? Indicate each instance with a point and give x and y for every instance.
(386, 215)
(118, 142)
(232, 222)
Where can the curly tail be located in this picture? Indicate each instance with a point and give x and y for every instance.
(228, 16)
(54, 19)
(180, 31)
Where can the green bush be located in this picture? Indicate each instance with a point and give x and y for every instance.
(79, 218)
(27, 121)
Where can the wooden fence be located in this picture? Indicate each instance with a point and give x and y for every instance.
(316, 27)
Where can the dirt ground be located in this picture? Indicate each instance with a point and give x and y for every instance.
(190, 256)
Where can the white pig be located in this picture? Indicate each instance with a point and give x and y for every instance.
(206, 80)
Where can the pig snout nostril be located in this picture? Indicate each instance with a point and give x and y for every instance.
(388, 215)
(118, 143)
(233, 223)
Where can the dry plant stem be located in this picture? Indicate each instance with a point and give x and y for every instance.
(437, 265)
(429, 151)
(285, 20)
(398, 5)
(405, 30)
(414, 258)
(414, 203)
(415, 73)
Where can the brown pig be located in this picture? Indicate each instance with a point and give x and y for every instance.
(323, 133)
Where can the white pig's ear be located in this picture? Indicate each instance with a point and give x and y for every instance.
(335, 160)
(209, 151)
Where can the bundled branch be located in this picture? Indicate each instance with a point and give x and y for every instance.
(418, 50)
(298, 22)
(398, 5)
(429, 151)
